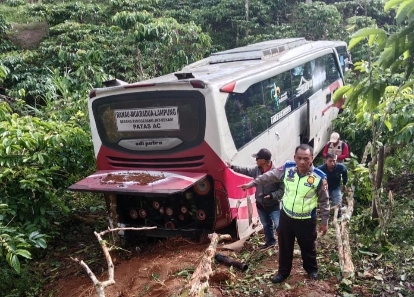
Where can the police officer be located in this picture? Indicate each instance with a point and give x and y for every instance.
(305, 187)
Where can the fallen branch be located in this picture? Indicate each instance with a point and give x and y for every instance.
(198, 284)
(348, 270)
(342, 236)
(338, 238)
(100, 286)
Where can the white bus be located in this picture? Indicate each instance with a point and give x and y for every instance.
(161, 144)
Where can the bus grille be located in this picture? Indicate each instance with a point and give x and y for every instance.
(170, 163)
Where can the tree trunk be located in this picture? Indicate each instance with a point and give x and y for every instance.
(246, 5)
(378, 179)
(111, 204)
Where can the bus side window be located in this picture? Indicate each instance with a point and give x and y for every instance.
(253, 112)
(247, 114)
(278, 90)
(301, 84)
(332, 71)
(319, 74)
(343, 57)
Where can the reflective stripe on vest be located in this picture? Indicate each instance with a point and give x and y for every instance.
(301, 193)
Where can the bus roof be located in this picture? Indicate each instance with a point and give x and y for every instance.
(226, 66)
(260, 55)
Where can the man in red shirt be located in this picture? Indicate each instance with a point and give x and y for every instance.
(336, 147)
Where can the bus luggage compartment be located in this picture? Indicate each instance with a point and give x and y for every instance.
(172, 201)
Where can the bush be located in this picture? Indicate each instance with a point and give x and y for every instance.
(39, 160)
(26, 283)
(15, 3)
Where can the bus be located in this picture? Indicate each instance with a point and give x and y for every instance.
(162, 144)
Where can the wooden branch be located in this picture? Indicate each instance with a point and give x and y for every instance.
(342, 236)
(100, 286)
(338, 238)
(100, 290)
(390, 205)
(348, 269)
(366, 153)
(198, 284)
(380, 166)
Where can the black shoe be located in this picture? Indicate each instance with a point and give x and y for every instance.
(265, 246)
(313, 275)
(277, 278)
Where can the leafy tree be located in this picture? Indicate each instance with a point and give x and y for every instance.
(39, 160)
(316, 21)
(382, 97)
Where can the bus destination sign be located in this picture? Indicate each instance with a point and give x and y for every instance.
(147, 119)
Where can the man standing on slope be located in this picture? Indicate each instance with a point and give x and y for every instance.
(334, 172)
(267, 197)
(305, 187)
(337, 147)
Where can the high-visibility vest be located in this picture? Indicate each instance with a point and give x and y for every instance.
(301, 193)
(336, 149)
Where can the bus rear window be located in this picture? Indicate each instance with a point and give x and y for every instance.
(127, 121)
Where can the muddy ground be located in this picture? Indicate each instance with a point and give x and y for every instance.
(162, 267)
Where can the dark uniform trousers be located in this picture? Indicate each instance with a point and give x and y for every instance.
(305, 232)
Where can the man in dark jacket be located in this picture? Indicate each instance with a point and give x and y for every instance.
(335, 172)
(267, 196)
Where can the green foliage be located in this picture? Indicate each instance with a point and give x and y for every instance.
(15, 284)
(18, 13)
(226, 22)
(72, 11)
(4, 26)
(39, 160)
(15, 3)
(3, 72)
(15, 242)
(355, 23)
(317, 21)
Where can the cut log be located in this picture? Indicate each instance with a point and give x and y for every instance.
(198, 284)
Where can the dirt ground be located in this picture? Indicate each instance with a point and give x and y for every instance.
(162, 267)
(28, 36)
